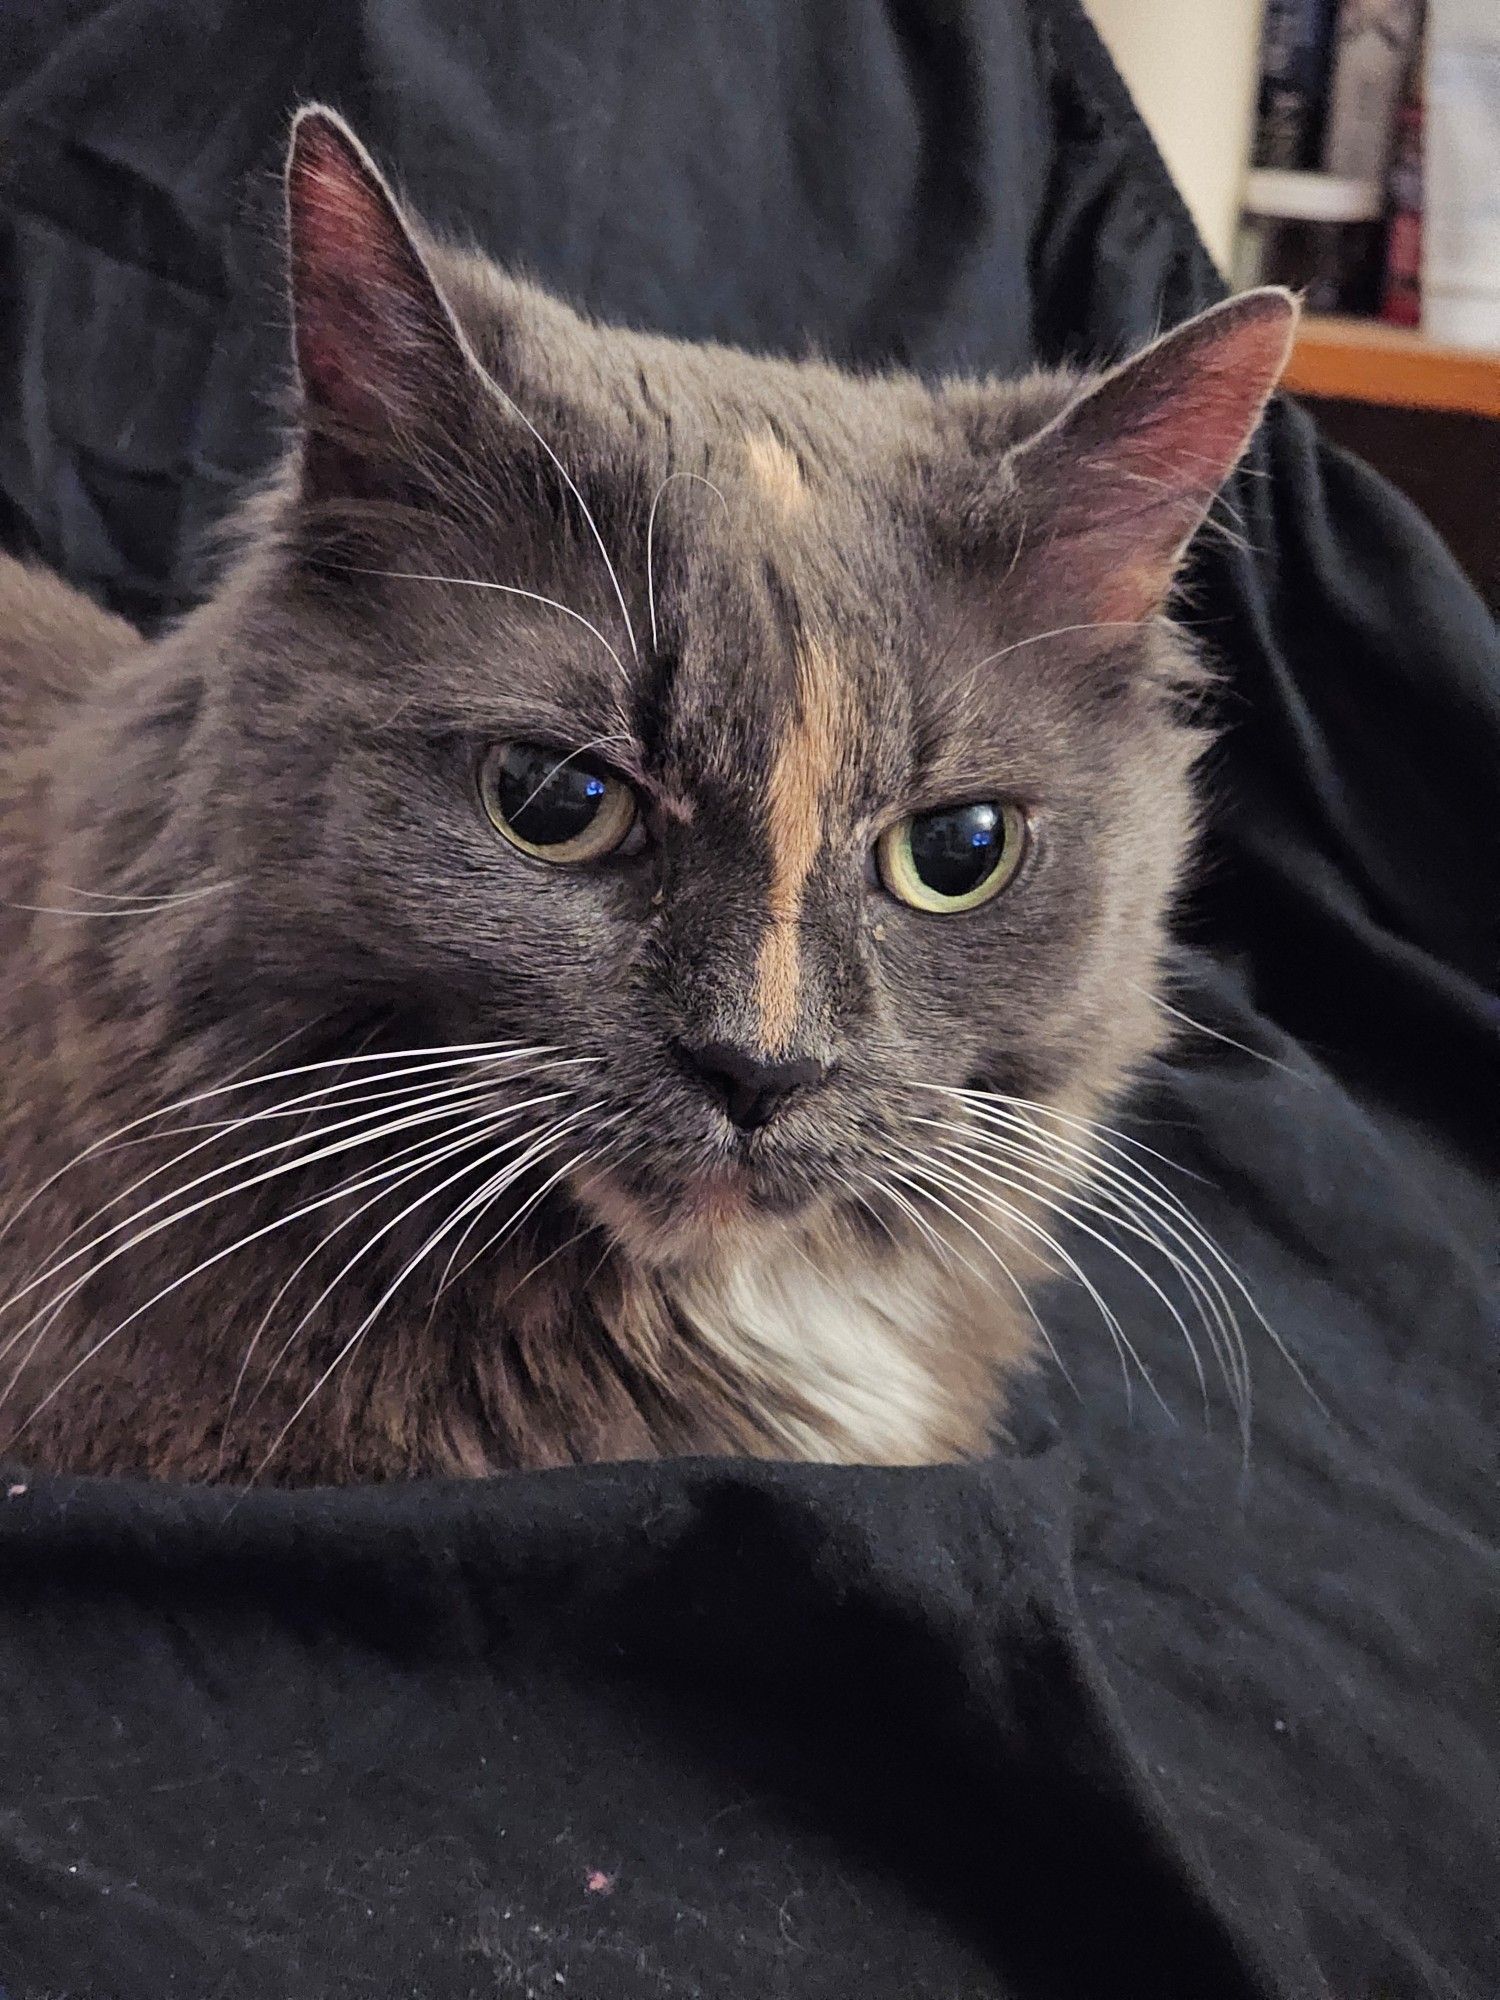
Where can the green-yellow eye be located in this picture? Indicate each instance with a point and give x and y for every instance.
(953, 859)
(557, 807)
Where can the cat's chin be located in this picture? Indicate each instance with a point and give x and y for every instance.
(719, 1211)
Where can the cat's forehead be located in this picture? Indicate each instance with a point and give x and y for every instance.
(779, 583)
(831, 582)
(770, 517)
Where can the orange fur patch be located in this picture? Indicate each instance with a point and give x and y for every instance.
(806, 762)
(776, 472)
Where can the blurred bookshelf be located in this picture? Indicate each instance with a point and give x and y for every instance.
(1371, 186)
(1365, 360)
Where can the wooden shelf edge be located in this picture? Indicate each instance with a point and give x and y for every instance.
(1365, 361)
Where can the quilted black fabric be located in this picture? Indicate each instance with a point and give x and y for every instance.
(1116, 1713)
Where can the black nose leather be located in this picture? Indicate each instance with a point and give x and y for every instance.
(751, 1089)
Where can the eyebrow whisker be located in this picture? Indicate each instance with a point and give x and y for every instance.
(479, 583)
(567, 478)
(650, 536)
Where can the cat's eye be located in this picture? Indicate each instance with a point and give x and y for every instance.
(558, 807)
(953, 859)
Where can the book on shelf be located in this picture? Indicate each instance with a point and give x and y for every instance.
(1461, 222)
(1374, 44)
(1294, 64)
(1401, 293)
(1333, 200)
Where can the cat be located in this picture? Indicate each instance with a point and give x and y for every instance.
(612, 931)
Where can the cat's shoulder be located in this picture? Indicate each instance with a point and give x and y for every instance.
(54, 642)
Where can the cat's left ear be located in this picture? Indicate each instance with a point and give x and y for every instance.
(1113, 489)
(379, 355)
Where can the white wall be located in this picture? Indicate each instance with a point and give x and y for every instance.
(1191, 66)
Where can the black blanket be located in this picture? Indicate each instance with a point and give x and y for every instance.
(1118, 1713)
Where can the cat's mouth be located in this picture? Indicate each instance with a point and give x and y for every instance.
(690, 1215)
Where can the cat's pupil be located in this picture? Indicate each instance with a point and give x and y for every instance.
(955, 850)
(545, 798)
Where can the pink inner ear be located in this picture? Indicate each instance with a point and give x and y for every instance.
(1190, 426)
(370, 326)
(1134, 466)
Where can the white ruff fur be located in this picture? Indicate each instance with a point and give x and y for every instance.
(858, 1343)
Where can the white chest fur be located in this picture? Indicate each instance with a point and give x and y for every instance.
(856, 1348)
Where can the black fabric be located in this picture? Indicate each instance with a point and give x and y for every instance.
(1117, 1713)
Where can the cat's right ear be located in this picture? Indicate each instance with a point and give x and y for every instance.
(380, 359)
(1114, 488)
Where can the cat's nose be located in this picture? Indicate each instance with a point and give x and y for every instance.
(751, 1089)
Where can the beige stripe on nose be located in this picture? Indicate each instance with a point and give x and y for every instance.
(802, 778)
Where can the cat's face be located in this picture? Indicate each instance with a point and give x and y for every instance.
(788, 748)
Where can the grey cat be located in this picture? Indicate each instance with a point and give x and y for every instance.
(613, 930)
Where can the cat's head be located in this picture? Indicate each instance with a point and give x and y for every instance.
(790, 745)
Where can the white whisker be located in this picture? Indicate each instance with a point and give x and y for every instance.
(47, 1315)
(208, 1263)
(117, 1139)
(451, 1276)
(513, 1222)
(992, 1105)
(363, 1129)
(596, 743)
(531, 1140)
(571, 484)
(169, 896)
(50, 1310)
(914, 1214)
(219, 1130)
(1036, 638)
(988, 1201)
(389, 1293)
(1021, 1181)
(1217, 1035)
(1146, 1212)
(443, 1056)
(129, 905)
(505, 589)
(234, 1393)
(923, 1186)
(479, 1055)
(1092, 1126)
(397, 1172)
(650, 535)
